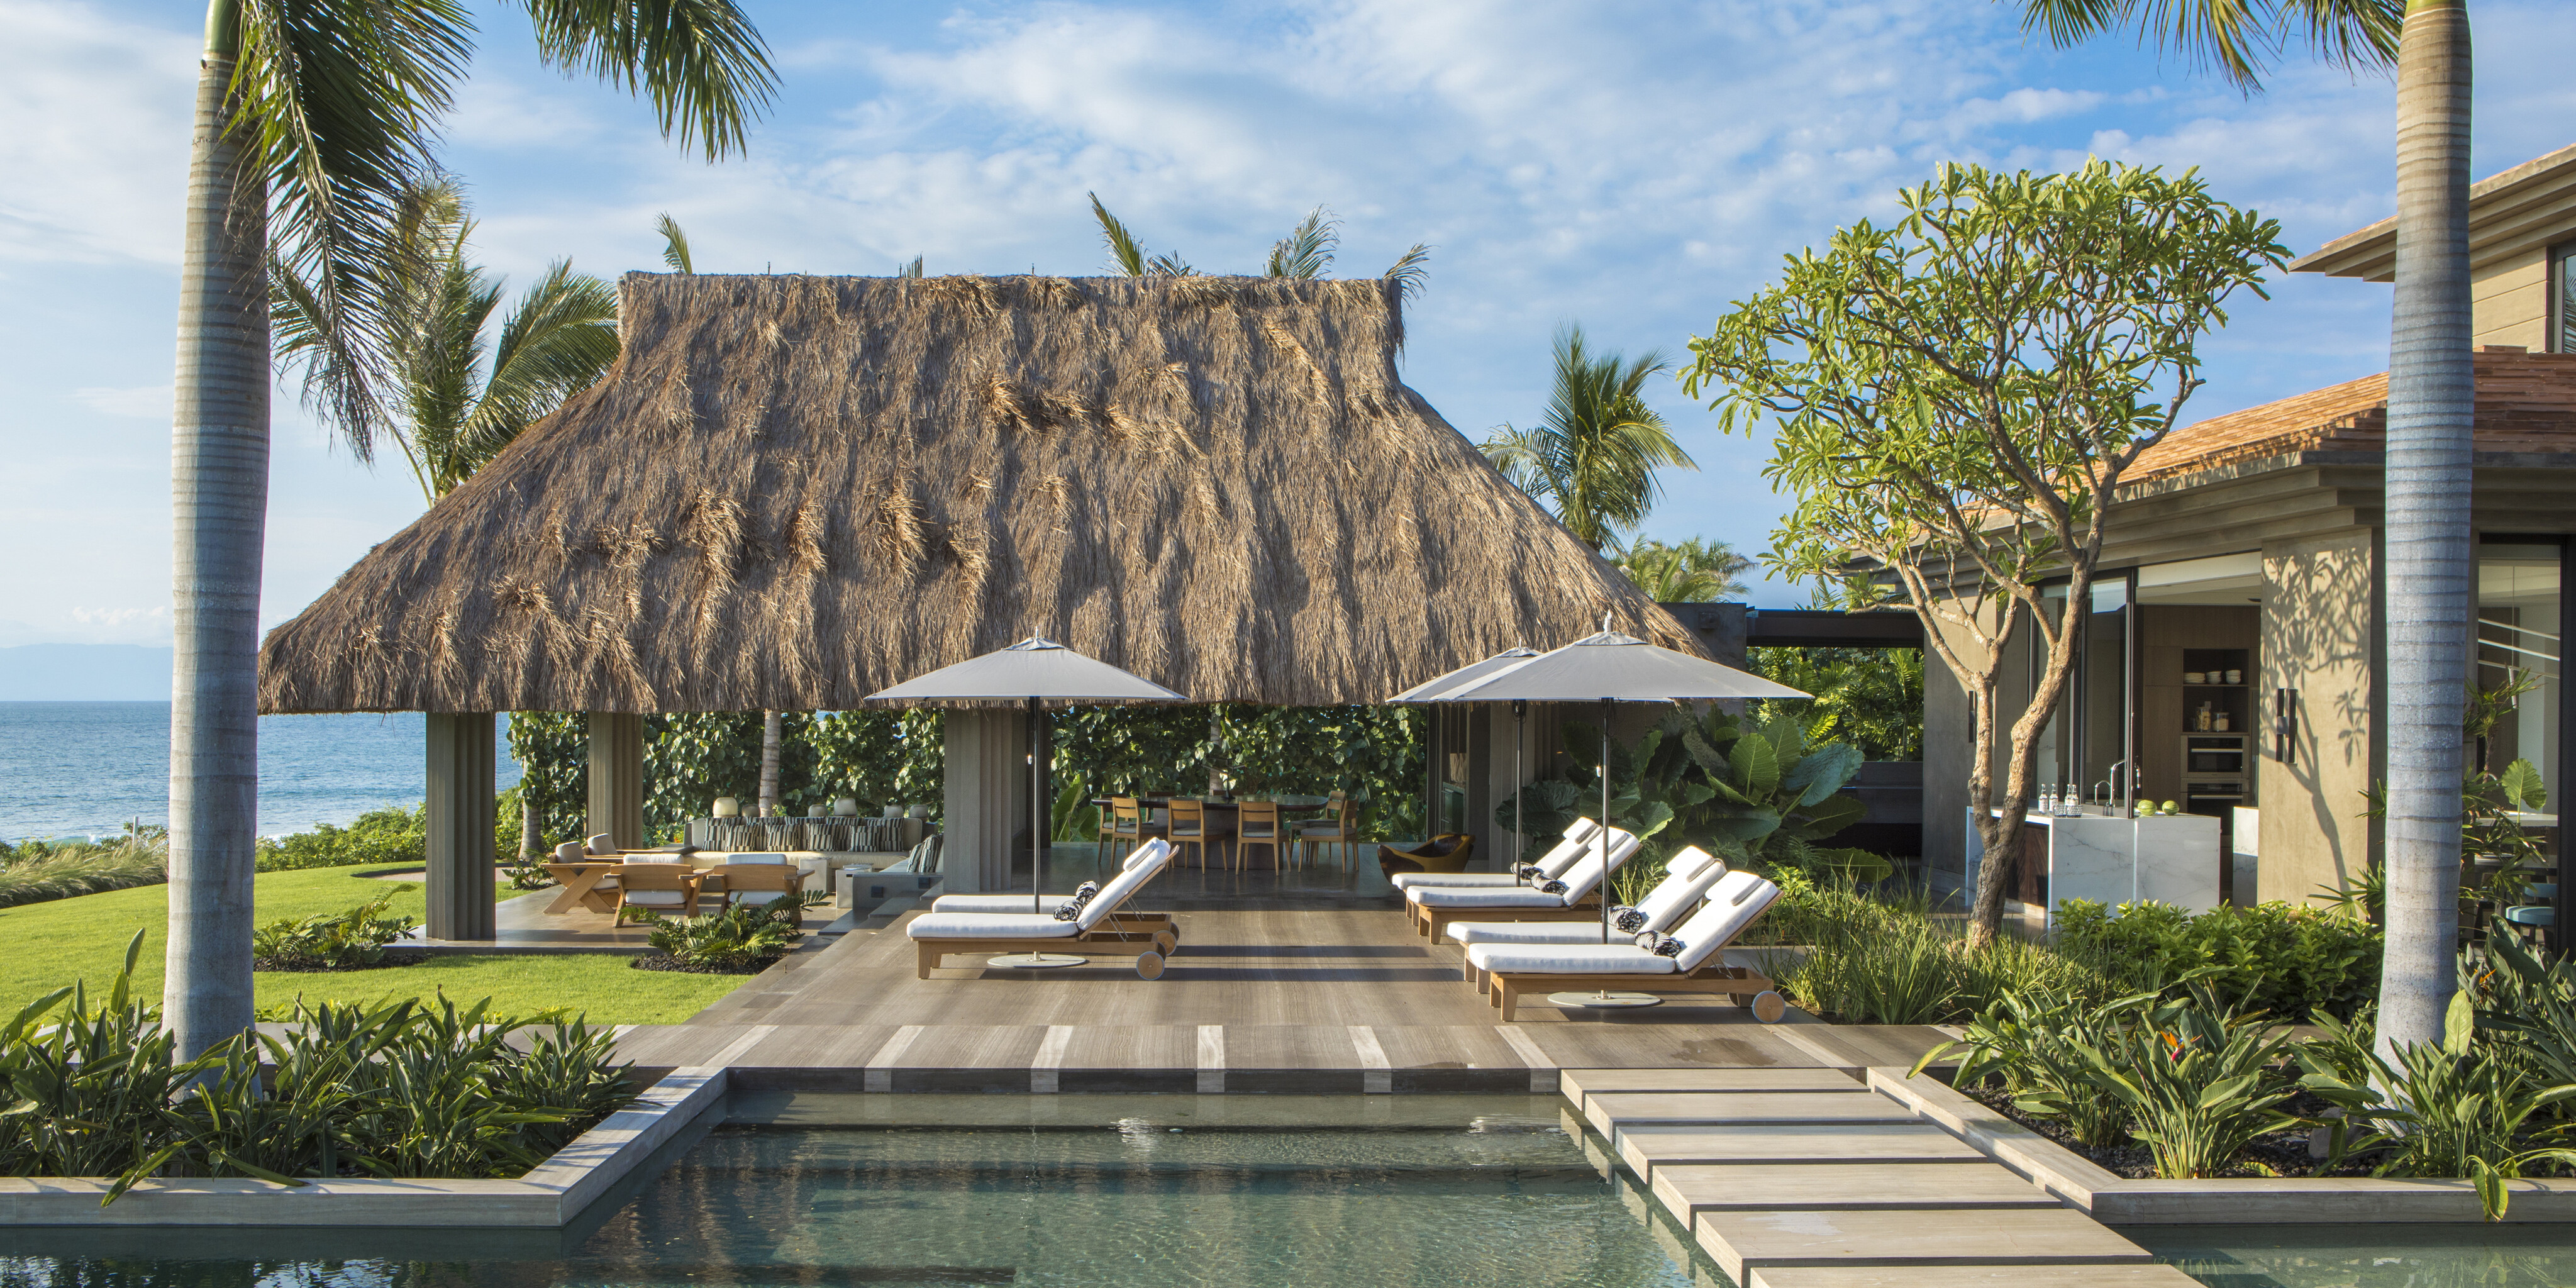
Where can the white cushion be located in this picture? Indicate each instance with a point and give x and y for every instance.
(1487, 897)
(755, 858)
(601, 844)
(1686, 879)
(656, 858)
(1563, 856)
(987, 925)
(1738, 899)
(1125, 884)
(996, 902)
(1530, 932)
(1424, 880)
(570, 852)
(1135, 858)
(1569, 959)
(657, 898)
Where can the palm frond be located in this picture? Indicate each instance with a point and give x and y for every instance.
(1124, 250)
(1170, 264)
(2241, 40)
(704, 65)
(335, 103)
(675, 244)
(1410, 272)
(912, 269)
(1307, 250)
(558, 340)
(1593, 459)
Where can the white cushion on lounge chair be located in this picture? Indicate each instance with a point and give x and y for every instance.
(1579, 880)
(1125, 884)
(1687, 877)
(987, 925)
(1553, 863)
(656, 898)
(1738, 899)
(998, 902)
(1569, 959)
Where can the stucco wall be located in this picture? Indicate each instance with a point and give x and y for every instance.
(2317, 639)
(2510, 301)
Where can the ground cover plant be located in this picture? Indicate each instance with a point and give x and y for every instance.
(392, 834)
(2272, 957)
(400, 1090)
(37, 871)
(85, 937)
(352, 939)
(1880, 957)
(743, 940)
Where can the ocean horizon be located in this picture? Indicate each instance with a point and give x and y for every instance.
(76, 769)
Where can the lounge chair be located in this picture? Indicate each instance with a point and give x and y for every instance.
(1687, 879)
(1551, 865)
(935, 935)
(1562, 899)
(1699, 967)
(1008, 903)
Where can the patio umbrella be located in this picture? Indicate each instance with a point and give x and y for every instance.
(1610, 668)
(1038, 670)
(1438, 687)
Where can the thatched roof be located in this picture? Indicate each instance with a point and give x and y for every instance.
(794, 491)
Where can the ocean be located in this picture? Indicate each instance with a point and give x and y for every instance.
(85, 768)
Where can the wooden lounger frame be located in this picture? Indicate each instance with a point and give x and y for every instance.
(1739, 982)
(1155, 928)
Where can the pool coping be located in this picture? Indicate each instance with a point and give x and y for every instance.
(2290, 1200)
(551, 1195)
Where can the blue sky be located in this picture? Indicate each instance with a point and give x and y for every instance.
(1631, 166)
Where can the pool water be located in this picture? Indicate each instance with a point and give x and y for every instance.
(1149, 1191)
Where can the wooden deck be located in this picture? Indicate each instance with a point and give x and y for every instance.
(1312, 989)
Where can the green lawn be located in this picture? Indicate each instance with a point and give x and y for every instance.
(52, 944)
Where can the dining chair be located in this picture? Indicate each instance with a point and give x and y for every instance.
(1257, 823)
(1333, 829)
(1127, 821)
(1186, 824)
(658, 883)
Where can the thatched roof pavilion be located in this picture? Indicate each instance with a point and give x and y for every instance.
(794, 491)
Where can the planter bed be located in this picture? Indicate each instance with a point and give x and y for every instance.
(551, 1195)
(2118, 1200)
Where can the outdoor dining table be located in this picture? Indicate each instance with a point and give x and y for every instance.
(1221, 811)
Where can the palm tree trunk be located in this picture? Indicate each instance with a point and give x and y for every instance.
(768, 763)
(2432, 397)
(218, 501)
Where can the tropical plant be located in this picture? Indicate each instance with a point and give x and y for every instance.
(1955, 399)
(1592, 459)
(1693, 571)
(2197, 1077)
(1869, 697)
(390, 834)
(2440, 1109)
(454, 395)
(1305, 253)
(332, 940)
(2273, 957)
(311, 123)
(736, 937)
(675, 244)
(2034, 1042)
(2432, 396)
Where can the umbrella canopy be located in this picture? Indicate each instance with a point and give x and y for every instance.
(1611, 667)
(1036, 667)
(1474, 672)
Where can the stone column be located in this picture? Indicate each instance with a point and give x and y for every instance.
(461, 808)
(617, 778)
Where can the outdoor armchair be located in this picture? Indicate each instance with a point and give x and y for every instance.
(1551, 865)
(1697, 964)
(657, 883)
(759, 880)
(1433, 907)
(936, 935)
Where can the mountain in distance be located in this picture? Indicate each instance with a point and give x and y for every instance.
(84, 673)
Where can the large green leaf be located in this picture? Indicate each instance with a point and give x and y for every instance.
(1828, 816)
(1822, 772)
(2524, 786)
(1757, 767)
(1745, 828)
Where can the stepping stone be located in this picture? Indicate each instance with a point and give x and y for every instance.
(1643, 1149)
(1579, 1083)
(1687, 1190)
(1612, 1112)
(1972, 1277)
(1747, 1241)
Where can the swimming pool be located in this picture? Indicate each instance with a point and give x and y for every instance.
(1169, 1191)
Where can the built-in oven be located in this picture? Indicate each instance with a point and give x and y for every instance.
(2213, 796)
(2220, 753)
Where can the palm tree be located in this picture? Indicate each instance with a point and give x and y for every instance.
(448, 410)
(2432, 397)
(1689, 572)
(1593, 460)
(312, 119)
(1305, 253)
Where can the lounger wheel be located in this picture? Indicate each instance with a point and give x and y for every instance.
(1149, 965)
(1167, 942)
(1769, 1007)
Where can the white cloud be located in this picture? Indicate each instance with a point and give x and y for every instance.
(94, 153)
(145, 402)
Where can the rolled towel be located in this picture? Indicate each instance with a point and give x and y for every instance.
(1553, 887)
(1532, 870)
(1646, 939)
(1068, 911)
(1667, 946)
(1627, 918)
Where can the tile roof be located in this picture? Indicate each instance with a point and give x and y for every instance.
(2526, 403)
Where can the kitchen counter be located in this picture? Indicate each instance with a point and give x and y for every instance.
(2112, 860)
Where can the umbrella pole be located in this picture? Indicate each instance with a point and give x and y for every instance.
(1520, 781)
(1604, 997)
(1039, 816)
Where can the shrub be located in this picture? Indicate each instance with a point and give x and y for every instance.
(2273, 957)
(331, 940)
(389, 835)
(1875, 959)
(40, 871)
(399, 1089)
(735, 938)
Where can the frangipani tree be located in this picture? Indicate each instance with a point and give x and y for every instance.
(1955, 398)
